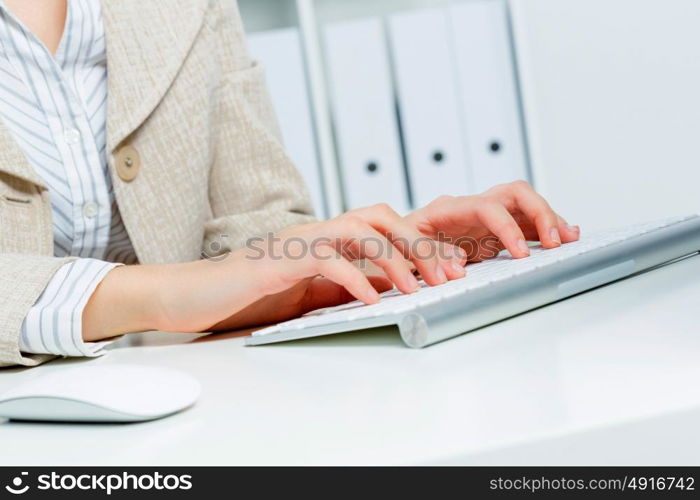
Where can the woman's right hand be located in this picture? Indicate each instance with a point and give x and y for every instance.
(376, 234)
(201, 295)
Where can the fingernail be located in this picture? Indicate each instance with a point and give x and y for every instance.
(522, 246)
(575, 229)
(458, 269)
(554, 235)
(412, 283)
(442, 277)
(372, 295)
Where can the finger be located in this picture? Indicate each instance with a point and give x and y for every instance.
(536, 208)
(326, 293)
(414, 245)
(501, 223)
(453, 259)
(380, 283)
(526, 226)
(366, 242)
(369, 268)
(568, 232)
(334, 267)
(488, 248)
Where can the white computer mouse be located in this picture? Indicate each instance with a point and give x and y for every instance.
(101, 393)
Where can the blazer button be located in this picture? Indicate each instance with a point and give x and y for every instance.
(128, 163)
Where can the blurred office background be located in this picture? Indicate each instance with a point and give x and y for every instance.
(595, 102)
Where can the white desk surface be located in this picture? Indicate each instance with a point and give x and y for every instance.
(608, 377)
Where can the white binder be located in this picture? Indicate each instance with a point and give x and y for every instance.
(364, 114)
(429, 106)
(487, 82)
(281, 54)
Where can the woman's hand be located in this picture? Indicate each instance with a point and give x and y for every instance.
(274, 278)
(505, 216)
(314, 265)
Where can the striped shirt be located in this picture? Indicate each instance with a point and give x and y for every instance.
(55, 108)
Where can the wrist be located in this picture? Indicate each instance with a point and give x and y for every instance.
(122, 303)
(190, 297)
(187, 297)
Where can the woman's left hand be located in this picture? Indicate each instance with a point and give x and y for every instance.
(505, 216)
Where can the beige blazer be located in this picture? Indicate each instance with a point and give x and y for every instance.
(194, 152)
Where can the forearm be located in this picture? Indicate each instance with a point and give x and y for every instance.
(187, 297)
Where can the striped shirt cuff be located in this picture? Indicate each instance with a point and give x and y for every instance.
(54, 324)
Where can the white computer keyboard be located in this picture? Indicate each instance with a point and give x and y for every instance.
(479, 275)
